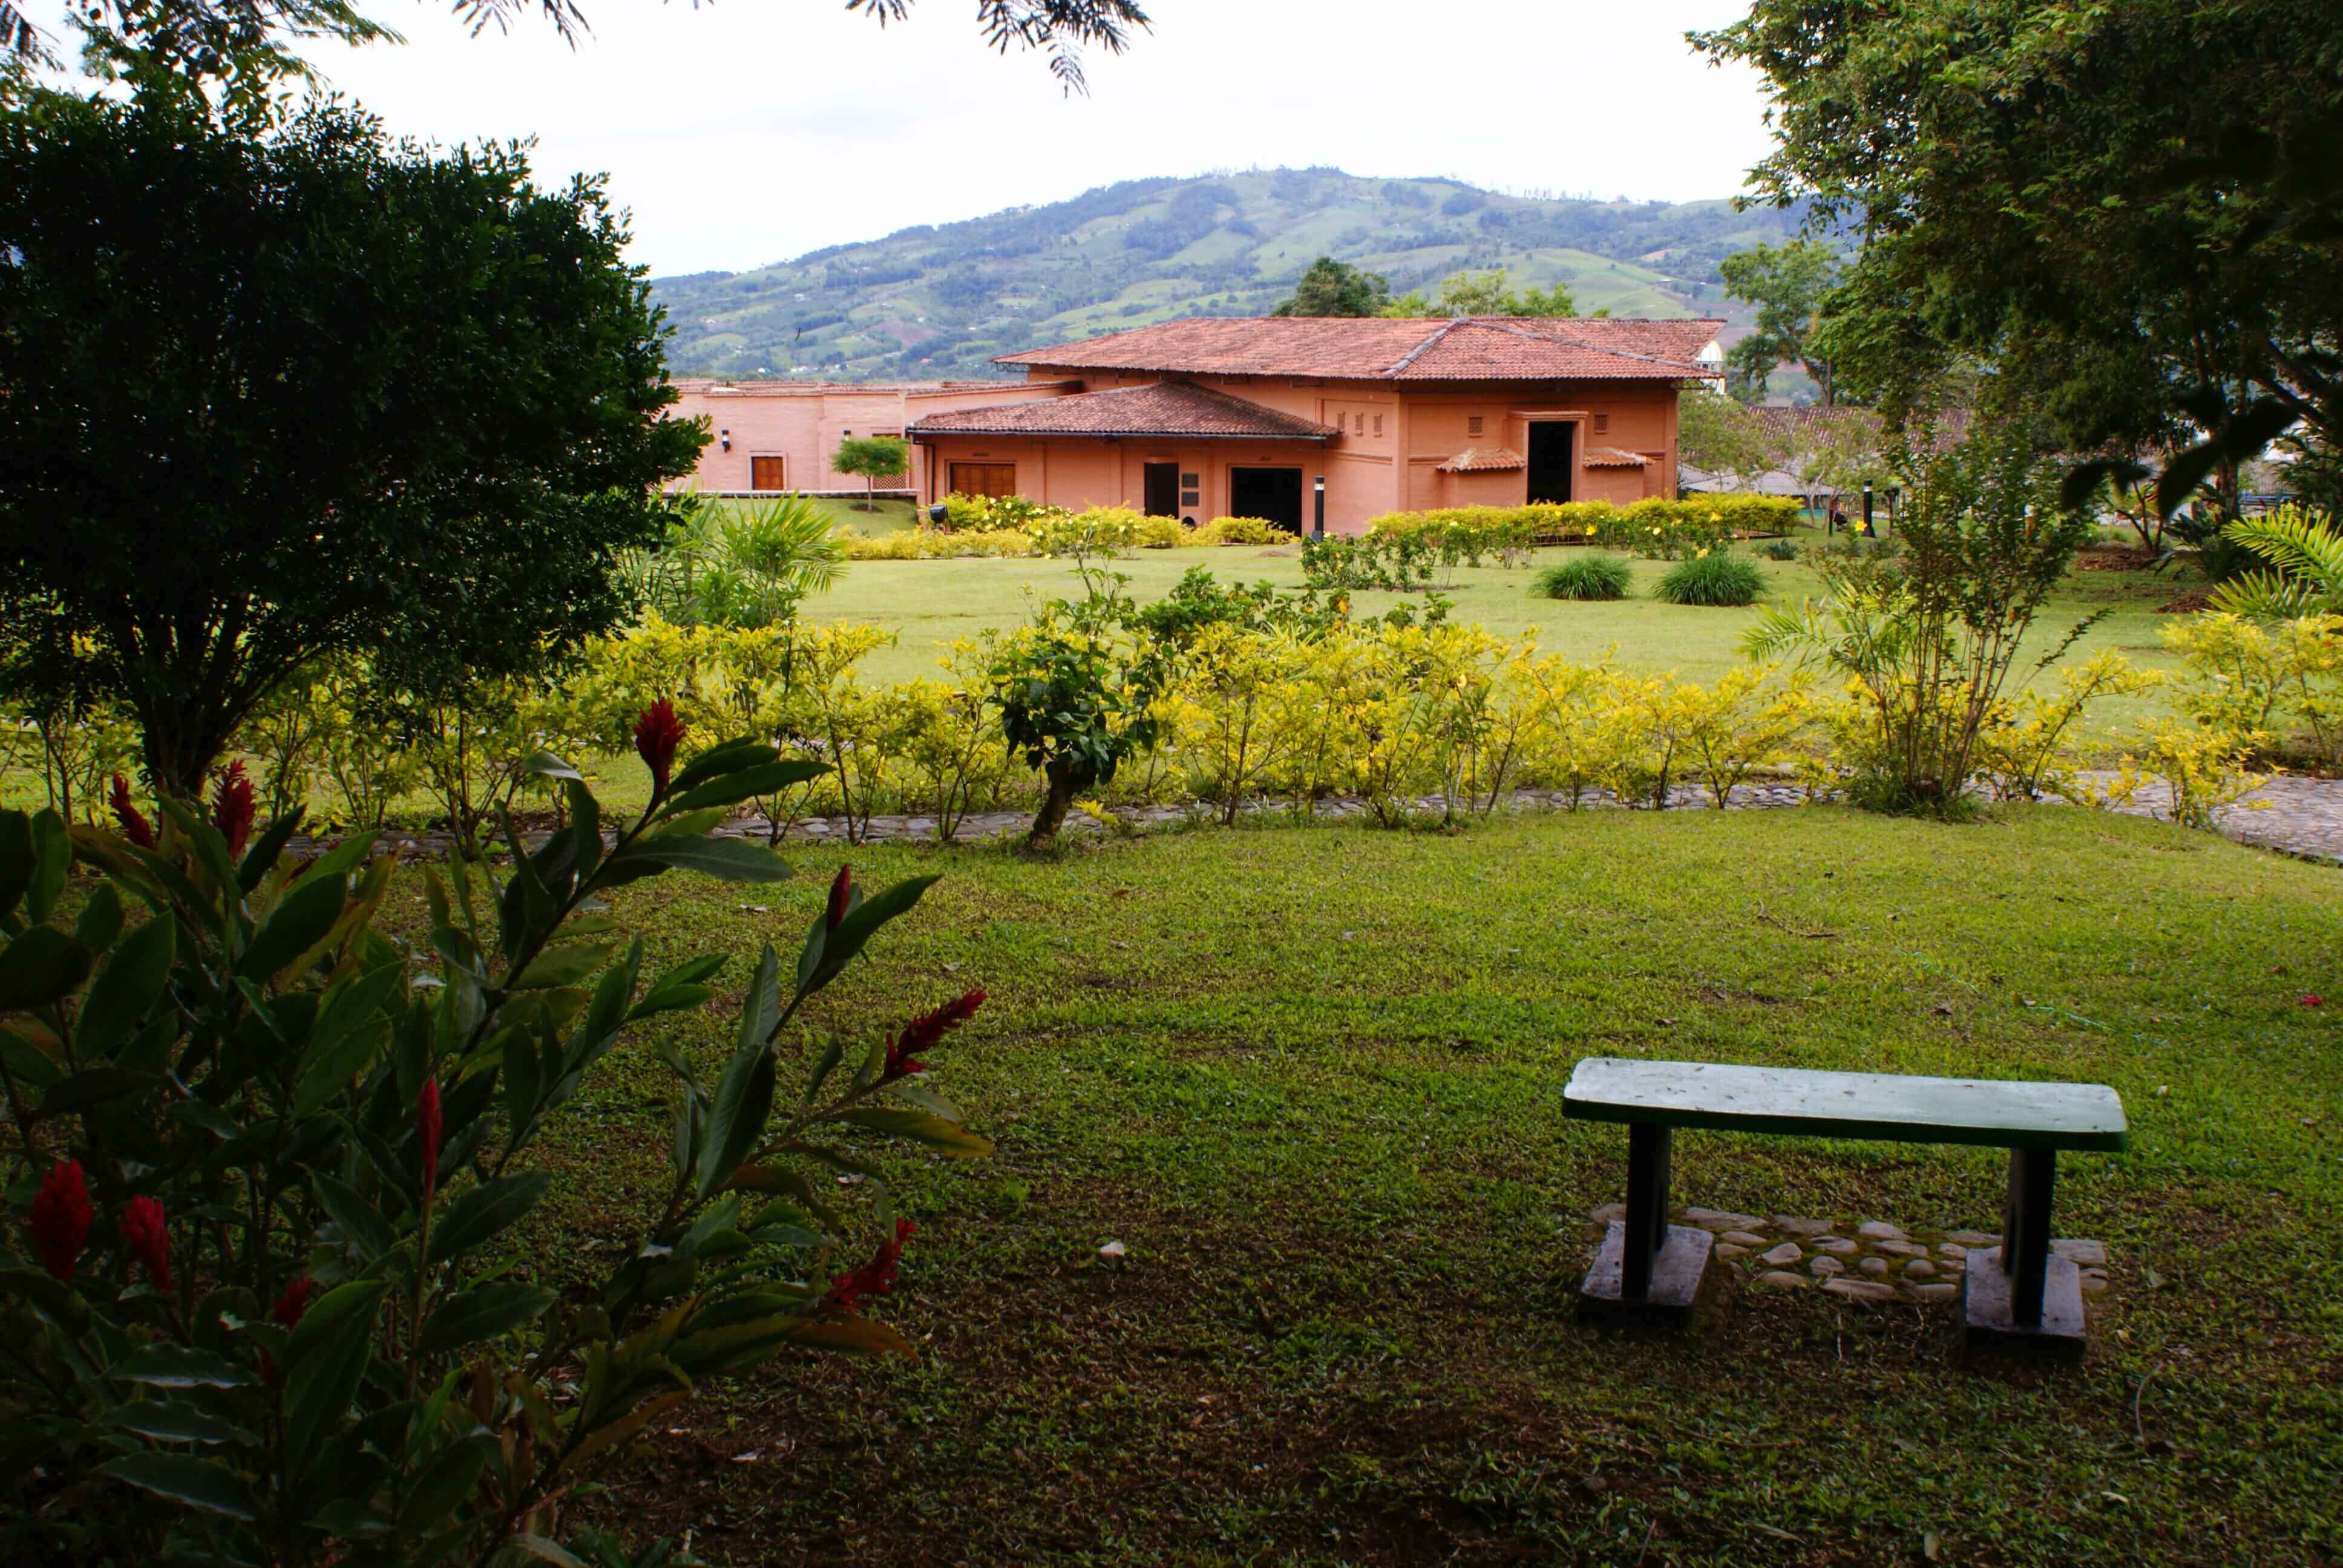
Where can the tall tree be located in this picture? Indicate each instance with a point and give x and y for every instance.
(1332, 288)
(1787, 284)
(273, 399)
(2134, 210)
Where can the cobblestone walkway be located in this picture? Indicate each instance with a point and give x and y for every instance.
(2301, 816)
(1866, 1261)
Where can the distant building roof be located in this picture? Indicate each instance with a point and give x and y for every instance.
(1162, 408)
(785, 387)
(1405, 348)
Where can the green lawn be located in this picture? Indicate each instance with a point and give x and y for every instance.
(1310, 1078)
(929, 604)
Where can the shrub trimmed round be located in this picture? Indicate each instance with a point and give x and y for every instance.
(1586, 577)
(1714, 579)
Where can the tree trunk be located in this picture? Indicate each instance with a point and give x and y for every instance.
(1053, 814)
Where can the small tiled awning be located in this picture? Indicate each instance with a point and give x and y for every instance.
(1614, 458)
(1483, 460)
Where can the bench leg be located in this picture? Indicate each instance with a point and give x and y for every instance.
(1647, 1207)
(2025, 1231)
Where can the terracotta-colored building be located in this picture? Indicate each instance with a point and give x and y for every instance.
(1204, 417)
(767, 437)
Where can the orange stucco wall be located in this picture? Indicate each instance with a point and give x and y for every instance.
(804, 425)
(1387, 457)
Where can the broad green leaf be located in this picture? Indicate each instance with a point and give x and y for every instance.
(726, 756)
(325, 1360)
(16, 860)
(565, 964)
(40, 967)
(328, 1072)
(204, 1485)
(127, 989)
(99, 925)
(480, 1214)
(95, 1087)
(300, 921)
(482, 1315)
(545, 1551)
(862, 923)
(545, 765)
(179, 1366)
(956, 1141)
(866, 1336)
(765, 779)
(361, 1223)
(33, 1067)
(728, 859)
(445, 1484)
(52, 859)
(263, 851)
(627, 1425)
(171, 1421)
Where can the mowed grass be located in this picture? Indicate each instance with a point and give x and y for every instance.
(1311, 1078)
(929, 605)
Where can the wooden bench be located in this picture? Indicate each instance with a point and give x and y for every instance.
(2018, 1288)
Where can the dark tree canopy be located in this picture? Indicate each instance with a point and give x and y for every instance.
(2132, 209)
(1332, 288)
(270, 398)
(248, 44)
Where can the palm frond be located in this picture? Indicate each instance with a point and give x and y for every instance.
(2267, 595)
(2306, 550)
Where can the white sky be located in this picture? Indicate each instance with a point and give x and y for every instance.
(751, 131)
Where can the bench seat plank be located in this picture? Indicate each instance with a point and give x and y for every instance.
(1884, 1105)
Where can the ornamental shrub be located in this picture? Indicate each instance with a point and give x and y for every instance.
(1242, 531)
(1094, 531)
(1586, 577)
(269, 1302)
(987, 514)
(939, 544)
(1715, 578)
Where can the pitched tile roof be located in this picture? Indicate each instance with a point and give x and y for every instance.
(1407, 348)
(1483, 460)
(1614, 458)
(1161, 408)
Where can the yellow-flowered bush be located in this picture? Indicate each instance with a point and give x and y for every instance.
(2283, 682)
(925, 544)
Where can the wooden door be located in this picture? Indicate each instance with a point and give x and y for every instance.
(984, 478)
(1163, 489)
(768, 474)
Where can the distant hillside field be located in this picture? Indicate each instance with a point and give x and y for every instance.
(942, 300)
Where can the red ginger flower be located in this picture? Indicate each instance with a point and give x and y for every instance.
(61, 1216)
(924, 1032)
(232, 807)
(144, 1232)
(135, 826)
(657, 732)
(875, 1278)
(841, 892)
(427, 1137)
(294, 1304)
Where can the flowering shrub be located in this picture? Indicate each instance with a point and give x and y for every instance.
(2249, 678)
(1242, 531)
(987, 514)
(924, 544)
(1077, 696)
(266, 1301)
(2204, 771)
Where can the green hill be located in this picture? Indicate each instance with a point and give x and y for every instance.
(941, 300)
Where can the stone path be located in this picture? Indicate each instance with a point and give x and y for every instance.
(1862, 1261)
(2300, 816)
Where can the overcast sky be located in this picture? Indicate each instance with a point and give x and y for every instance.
(750, 131)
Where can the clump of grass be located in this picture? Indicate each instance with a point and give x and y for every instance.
(1715, 579)
(1779, 550)
(1590, 576)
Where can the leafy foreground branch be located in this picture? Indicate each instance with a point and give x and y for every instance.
(269, 1166)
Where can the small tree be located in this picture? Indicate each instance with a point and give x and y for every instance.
(874, 457)
(1787, 283)
(1332, 288)
(313, 393)
(1724, 439)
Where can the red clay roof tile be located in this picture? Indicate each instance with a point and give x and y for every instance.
(1163, 408)
(1409, 348)
(1615, 458)
(1483, 460)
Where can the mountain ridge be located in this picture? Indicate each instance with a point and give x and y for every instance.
(938, 301)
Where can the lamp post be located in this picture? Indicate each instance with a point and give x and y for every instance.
(1868, 531)
(1318, 496)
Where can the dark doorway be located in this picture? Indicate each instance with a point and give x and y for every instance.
(1163, 489)
(1549, 459)
(1273, 495)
